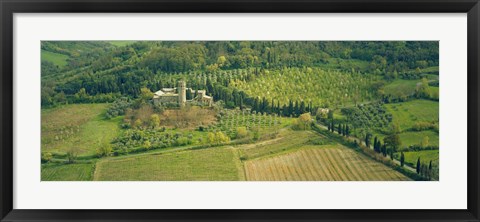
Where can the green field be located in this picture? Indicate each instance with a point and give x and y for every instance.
(79, 126)
(212, 164)
(407, 113)
(67, 172)
(287, 141)
(56, 58)
(415, 138)
(293, 156)
(401, 87)
(425, 157)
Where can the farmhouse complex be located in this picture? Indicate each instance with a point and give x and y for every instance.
(179, 95)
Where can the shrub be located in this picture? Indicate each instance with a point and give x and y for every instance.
(46, 157)
(241, 132)
(104, 150)
(72, 155)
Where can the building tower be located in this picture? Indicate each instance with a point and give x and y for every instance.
(182, 93)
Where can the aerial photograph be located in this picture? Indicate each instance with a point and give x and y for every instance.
(240, 111)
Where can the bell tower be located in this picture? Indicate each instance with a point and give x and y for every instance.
(182, 93)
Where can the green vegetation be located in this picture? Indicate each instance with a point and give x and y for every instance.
(230, 120)
(287, 110)
(411, 112)
(67, 172)
(323, 88)
(425, 156)
(415, 138)
(212, 164)
(57, 59)
(81, 127)
(288, 140)
(401, 87)
(368, 118)
(121, 43)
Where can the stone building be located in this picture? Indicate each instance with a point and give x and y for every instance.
(179, 95)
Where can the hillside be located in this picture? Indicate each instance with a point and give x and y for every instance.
(240, 110)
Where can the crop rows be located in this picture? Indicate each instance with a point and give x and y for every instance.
(320, 163)
(230, 120)
(316, 85)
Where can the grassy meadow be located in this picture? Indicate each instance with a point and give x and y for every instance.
(57, 59)
(411, 112)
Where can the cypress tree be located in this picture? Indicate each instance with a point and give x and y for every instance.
(189, 94)
(278, 108)
(418, 165)
(367, 140)
(302, 108)
(344, 130)
(329, 126)
(272, 107)
(429, 172)
(339, 130)
(391, 154)
(296, 109)
(290, 108)
(402, 159)
(375, 141)
(348, 131)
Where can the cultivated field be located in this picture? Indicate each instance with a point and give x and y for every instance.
(320, 163)
(78, 126)
(67, 172)
(287, 141)
(317, 85)
(230, 120)
(211, 164)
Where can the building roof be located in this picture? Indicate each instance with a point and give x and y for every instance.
(158, 93)
(168, 90)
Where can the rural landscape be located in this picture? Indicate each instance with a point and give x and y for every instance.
(240, 111)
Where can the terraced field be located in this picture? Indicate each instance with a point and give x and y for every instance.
(320, 163)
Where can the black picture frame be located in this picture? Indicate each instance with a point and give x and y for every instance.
(9, 7)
